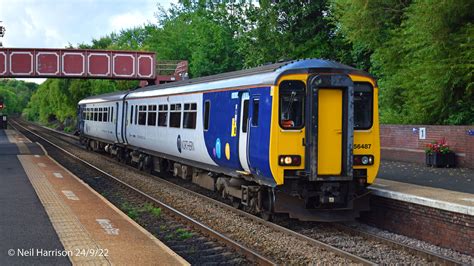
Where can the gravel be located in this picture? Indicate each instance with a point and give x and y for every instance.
(189, 244)
(371, 250)
(462, 258)
(280, 247)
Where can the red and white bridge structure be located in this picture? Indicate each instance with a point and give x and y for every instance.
(75, 63)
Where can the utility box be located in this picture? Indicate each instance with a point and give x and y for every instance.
(3, 121)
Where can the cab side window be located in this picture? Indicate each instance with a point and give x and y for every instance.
(292, 101)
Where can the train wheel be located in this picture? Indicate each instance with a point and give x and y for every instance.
(141, 165)
(186, 172)
(267, 201)
(236, 203)
(267, 216)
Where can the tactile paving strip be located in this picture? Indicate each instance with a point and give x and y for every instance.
(19, 140)
(72, 234)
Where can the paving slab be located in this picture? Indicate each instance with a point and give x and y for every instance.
(25, 227)
(51, 217)
(455, 179)
(438, 198)
(86, 221)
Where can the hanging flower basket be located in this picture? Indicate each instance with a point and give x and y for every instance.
(438, 154)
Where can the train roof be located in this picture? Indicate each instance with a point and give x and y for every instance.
(259, 76)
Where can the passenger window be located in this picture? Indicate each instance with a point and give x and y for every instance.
(96, 114)
(292, 95)
(152, 115)
(189, 115)
(207, 110)
(245, 116)
(175, 115)
(255, 112)
(163, 115)
(142, 115)
(100, 115)
(105, 116)
(112, 114)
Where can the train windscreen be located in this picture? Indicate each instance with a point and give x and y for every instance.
(363, 106)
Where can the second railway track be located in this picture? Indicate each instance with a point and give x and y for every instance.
(300, 243)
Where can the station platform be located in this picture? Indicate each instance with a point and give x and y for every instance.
(49, 216)
(435, 205)
(449, 189)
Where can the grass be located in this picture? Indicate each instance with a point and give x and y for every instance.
(169, 236)
(135, 212)
(68, 129)
(152, 210)
(131, 211)
(183, 234)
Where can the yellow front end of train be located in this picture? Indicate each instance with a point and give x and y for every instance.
(325, 143)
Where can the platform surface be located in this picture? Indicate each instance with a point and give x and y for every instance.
(456, 179)
(450, 189)
(51, 210)
(24, 224)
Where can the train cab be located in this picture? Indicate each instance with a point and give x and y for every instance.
(324, 143)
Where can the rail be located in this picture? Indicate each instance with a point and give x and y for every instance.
(250, 254)
(429, 256)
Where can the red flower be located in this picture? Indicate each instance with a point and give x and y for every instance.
(438, 147)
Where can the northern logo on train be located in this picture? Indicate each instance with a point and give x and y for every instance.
(179, 143)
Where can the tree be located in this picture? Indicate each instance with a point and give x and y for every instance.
(282, 30)
(15, 94)
(422, 53)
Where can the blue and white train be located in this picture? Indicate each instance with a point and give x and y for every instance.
(299, 137)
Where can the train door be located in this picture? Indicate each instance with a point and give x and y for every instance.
(115, 121)
(330, 127)
(329, 131)
(243, 131)
(125, 122)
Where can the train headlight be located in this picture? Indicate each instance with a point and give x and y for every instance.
(289, 160)
(363, 160)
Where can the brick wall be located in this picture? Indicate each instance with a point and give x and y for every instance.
(401, 142)
(439, 227)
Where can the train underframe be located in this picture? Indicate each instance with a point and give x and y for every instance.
(323, 201)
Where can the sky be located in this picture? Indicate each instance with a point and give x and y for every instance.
(58, 23)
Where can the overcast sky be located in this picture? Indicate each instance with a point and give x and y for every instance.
(56, 23)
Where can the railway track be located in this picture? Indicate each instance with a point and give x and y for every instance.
(216, 253)
(312, 234)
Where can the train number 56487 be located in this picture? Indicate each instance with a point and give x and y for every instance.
(362, 146)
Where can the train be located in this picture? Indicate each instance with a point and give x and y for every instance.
(297, 138)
